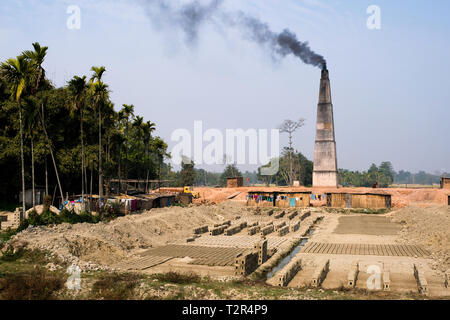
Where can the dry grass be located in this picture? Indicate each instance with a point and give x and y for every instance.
(179, 278)
(37, 285)
(115, 286)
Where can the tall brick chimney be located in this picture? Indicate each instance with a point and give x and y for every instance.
(325, 172)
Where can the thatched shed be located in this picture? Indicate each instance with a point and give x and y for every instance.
(359, 200)
(279, 198)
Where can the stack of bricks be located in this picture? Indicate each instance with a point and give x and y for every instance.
(217, 230)
(292, 215)
(232, 230)
(295, 226)
(284, 276)
(353, 275)
(260, 247)
(320, 273)
(253, 230)
(279, 215)
(386, 281)
(201, 230)
(246, 263)
(12, 220)
(226, 223)
(305, 215)
(266, 230)
(283, 231)
(422, 283)
(280, 225)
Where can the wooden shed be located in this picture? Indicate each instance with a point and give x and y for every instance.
(164, 201)
(235, 182)
(293, 199)
(445, 183)
(260, 199)
(281, 199)
(359, 200)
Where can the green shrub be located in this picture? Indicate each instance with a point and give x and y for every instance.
(6, 235)
(34, 219)
(69, 216)
(88, 217)
(49, 217)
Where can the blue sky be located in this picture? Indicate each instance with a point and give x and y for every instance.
(390, 86)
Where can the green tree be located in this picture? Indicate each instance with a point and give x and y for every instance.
(187, 173)
(231, 171)
(17, 73)
(289, 127)
(100, 95)
(78, 88)
(31, 124)
(37, 58)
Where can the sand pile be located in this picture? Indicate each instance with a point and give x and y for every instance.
(428, 227)
(108, 243)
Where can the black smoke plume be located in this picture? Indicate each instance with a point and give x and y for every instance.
(190, 16)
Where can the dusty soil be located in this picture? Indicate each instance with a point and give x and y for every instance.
(372, 225)
(429, 227)
(400, 230)
(109, 243)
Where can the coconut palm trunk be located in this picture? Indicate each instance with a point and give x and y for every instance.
(32, 173)
(100, 171)
(45, 159)
(82, 155)
(22, 159)
(47, 140)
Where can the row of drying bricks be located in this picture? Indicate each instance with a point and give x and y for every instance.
(227, 229)
(285, 275)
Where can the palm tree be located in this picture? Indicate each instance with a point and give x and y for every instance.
(49, 146)
(17, 73)
(78, 87)
(147, 129)
(36, 58)
(100, 94)
(160, 148)
(127, 112)
(97, 74)
(31, 114)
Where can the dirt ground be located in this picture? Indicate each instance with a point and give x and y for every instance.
(419, 218)
(109, 243)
